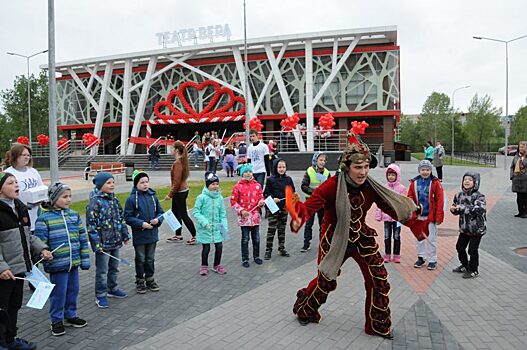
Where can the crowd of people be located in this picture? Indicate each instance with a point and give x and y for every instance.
(34, 230)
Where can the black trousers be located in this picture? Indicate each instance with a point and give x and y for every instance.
(11, 294)
(439, 170)
(217, 254)
(179, 208)
(521, 201)
(473, 245)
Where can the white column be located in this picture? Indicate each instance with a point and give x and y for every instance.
(125, 119)
(97, 130)
(249, 104)
(310, 123)
(139, 115)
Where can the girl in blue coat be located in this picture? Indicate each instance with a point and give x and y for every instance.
(143, 212)
(209, 211)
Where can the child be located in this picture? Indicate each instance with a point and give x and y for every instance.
(143, 212)
(56, 225)
(393, 175)
(314, 176)
(471, 207)
(107, 231)
(15, 259)
(276, 188)
(209, 211)
(426, 191)
(246, 198)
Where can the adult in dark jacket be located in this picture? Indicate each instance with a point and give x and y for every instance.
(518, 176)
(275, 188)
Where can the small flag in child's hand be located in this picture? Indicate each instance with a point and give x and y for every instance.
(289, 205)
(40, 295)
(35, 276)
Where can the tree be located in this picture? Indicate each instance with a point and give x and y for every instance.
(483, 124)
(518, 127)
(14, 119)
(435, 120)
(408, 131)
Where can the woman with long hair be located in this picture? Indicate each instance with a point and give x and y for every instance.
(20, 162)
(179, 192)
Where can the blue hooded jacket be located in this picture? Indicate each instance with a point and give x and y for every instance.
(143, 206)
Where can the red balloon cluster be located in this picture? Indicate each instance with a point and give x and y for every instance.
(326, 122)
(359, 128)
(255, 124)
(62, 144)
(23, 140)
(43, 140)
(289, 123)
(90, 139)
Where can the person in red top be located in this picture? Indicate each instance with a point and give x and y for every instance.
(346, 199)
(426, 191)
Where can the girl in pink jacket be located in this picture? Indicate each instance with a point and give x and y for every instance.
(393, 175)
(247, 199)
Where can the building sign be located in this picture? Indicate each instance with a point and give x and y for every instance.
(195, 34)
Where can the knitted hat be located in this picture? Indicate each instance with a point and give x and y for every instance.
(137, 176)
(424, 164)
(245, 168)
(356, 151)
(211, 178)
(3, 178)
(55, 191)
(100, 179)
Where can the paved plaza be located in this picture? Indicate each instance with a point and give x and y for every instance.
(252, 308)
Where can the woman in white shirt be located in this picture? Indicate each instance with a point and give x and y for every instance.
(20, 160)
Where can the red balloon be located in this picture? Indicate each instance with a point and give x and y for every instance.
(23, 140)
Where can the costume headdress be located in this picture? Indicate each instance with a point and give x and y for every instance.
(357, 150)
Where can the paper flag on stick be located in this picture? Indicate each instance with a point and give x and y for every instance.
(171, 220)
(53, 251)
(121, 260)
(273, 208)
(289, 205)
(40, 295)
(35, 277)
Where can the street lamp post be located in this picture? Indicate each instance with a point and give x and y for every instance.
(246, 68)
(28, 87)
(453, 117)
(506, 42)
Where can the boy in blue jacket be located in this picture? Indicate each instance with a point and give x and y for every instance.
(107, 232)
(275, 188)
(143, 212)
(56, 225)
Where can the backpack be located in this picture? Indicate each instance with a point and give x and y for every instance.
(207, 151)
(242, 149)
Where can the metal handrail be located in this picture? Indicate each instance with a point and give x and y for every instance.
(233, 135)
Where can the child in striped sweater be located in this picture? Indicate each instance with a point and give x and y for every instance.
(56, 225)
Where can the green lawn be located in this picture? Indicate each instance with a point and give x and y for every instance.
(447, 160)
(195, 188)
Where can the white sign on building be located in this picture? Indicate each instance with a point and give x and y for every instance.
(195, 34)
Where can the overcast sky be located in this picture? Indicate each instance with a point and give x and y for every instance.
(438, 52)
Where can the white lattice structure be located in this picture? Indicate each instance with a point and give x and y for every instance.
(353, 73)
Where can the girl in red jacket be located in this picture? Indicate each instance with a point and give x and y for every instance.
(426, 191)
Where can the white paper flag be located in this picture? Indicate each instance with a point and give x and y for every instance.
(40, 295)
(171, 220)
(273, 208)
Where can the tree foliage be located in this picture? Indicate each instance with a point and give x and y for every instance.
(519, 126)
(435, 121)
(483, 124)
(14, 117)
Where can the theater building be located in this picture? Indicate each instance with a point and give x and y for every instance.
(129, 99)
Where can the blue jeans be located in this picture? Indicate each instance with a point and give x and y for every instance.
(106, 270)
(260, 178)
(144, 260)
(212, 165)
(63, 298)
(308, 230)
(154, 162)
(389, 227)
(196, 156)
(254, 231)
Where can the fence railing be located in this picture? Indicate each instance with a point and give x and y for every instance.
(483, 158)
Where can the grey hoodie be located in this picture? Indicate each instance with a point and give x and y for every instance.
(473, 208)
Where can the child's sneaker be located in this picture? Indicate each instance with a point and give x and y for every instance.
(118, 293)
(267, 255)
(396, 259)
(57, 329)
(151, 285)
(75, 322)
(140, 287)
(219, 269)
(102, 302)
(203, 270)
(460, 269)
(20, 343)
(258, 261)
(284, 252)
(469, 274)
(432, 266)
(245, 264)
(419, 263)
(387, 258)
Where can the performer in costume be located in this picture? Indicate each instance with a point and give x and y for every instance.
(344, 234)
